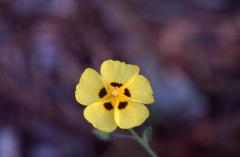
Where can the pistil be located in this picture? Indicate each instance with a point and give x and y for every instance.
(115, 92)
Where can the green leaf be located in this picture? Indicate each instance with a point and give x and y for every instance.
(147, 134)
(101, 134)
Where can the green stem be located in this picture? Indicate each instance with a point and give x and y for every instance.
(145, 145)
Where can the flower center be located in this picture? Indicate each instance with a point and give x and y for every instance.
(115, 92)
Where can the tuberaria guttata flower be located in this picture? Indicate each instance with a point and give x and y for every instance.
(115, 98)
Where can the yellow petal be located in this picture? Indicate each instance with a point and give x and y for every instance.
(116, 71)
(89, 87)
(140, 90)
(131, 115)
(100, 117)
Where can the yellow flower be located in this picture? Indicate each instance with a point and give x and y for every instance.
(116, 97)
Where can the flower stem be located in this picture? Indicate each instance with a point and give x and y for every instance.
(145, 144)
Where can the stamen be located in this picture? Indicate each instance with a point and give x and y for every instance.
(115, 84)
(122, 105)
(108, 106)
(127, 92)
(102, 93)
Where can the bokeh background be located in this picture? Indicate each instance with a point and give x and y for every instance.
(189, 49)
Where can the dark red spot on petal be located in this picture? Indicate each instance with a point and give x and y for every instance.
(122, 105)
(115, 84)
(127, 92)
(102, 92)
(108, 106)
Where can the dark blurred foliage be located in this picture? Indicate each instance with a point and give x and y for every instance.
(189, 49)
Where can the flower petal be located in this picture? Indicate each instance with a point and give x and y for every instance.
(101, 116)
(130, 115)
(119, 72)
(90, 87)
(140, 90)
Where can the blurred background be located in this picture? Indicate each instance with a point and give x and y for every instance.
(189, 49)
